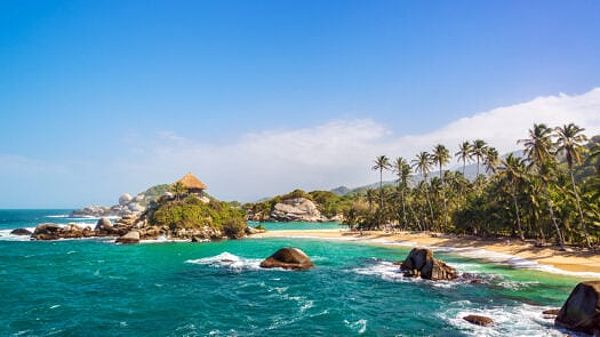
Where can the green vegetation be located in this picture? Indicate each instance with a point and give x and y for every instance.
(552, 194)
(192, 213)
(328, 203)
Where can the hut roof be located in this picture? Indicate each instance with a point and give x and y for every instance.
(191, 182)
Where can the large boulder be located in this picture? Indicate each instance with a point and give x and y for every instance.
(581, 311)
(131, 237)
(288, 258)
(124, 199)
(296, 209)
(46, 231)
(420, 263)
(103, 225)
(479, 320)
(20, 231)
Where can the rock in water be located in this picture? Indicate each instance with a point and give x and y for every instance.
(420, 262)
(103, 225)
(20, 231)
(288, 258)
(131, 237)
(46, 231)
(581, 311)
(479, 320)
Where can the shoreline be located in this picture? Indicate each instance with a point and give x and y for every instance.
(522, 255)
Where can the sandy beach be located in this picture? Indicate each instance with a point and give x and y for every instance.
(520, 254)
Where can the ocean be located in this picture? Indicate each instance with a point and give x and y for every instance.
(98, 288)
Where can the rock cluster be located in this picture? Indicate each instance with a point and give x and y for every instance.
(127, 205)
(420, 263)
(581, 311)
(288, 258)
(297, 209)
(50, 231)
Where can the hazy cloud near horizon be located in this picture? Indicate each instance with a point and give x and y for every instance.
(270, 162)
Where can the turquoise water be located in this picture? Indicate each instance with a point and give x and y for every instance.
(275, 226)
(97, 288)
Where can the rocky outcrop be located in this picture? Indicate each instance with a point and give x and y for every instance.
(288, 258)
(479, 320)
(420, 263)
(127, 205)
(581, 311)
(131, 237)
(104, 225)
(50, 231)
(297, 209)
(20, 231)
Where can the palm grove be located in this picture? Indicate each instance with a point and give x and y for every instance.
(550, 193)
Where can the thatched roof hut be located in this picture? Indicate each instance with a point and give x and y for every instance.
(191, 183)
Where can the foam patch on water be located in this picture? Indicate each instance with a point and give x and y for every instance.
(6, 236)
(359, 326)
(513, 261)
(389, 271)
(229, 261)
(522, 320)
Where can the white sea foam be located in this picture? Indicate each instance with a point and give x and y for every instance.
(522, 320)
(359, 326)
(475, 253)
(230, 261)
(6, 236)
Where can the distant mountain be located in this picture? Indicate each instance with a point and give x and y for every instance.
(342, 190)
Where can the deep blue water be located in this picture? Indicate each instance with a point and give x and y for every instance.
(97, 288)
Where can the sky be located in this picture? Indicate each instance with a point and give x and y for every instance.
(260, 97)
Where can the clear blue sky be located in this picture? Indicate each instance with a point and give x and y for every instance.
(79, 79)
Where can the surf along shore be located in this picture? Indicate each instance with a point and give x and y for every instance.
(518, 254)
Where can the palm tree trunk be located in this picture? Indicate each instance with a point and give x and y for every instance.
(561, 240)
(380, 198)
(430, 207)
(464, 165)
(578, 202)
(477, 166)
(403, 208)
(518, 217)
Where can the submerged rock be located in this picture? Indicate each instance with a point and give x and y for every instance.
(131, 237)
(420, 263)
(553, 312)
(288, 258)
(581, 311)
(20, 231)
(479, 320)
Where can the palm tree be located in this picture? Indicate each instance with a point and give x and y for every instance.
(178, 189)
(513, 168)
(464, 154)
(381, 163)
(422, 163)
(440, 156)
(570, 143)
(370, 195)
(491, 160)
(402, 170)
(478, 150)
(538, 149)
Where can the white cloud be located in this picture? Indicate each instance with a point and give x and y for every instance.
(271, 162)
(340, 152)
